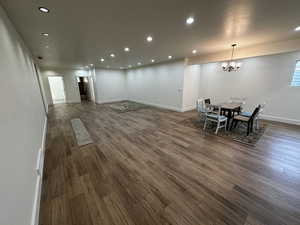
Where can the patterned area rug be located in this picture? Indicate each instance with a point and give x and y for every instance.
(238, 134)
(127, 106)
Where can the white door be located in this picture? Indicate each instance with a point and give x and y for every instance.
(57, 89)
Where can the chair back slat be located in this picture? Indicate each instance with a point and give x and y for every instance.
(201, 106)
(217, 109)
(207, 101)
(238, 100)
(262, 106)
(255, 113)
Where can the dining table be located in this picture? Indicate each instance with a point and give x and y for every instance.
(228, 109)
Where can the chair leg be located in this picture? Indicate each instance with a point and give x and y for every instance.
(232, 123)
(251, 126)
(236, 123)
(205, 124)
(248, 128)
(218, 125)
(225, 125)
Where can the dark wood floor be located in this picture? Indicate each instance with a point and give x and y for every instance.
(145, 168)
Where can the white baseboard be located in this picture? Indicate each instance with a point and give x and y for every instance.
(188, 108)
(111, 101)
(70, 102)
(173, 108)
(280, 119)
(39, 170)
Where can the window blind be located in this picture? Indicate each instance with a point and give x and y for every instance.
(296, 76)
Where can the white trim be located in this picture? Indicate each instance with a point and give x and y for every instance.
(173, 108)
(38, 186)
(70, 102)
(188, 108)
(111, 101)
(280, 119)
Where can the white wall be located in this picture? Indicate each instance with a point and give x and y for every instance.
(110, 85)
(160, 85)
(46, 88)
(70, 83)
(43, 89)
(177, 86)
(191, 86)
(22, 119)
(264, 78)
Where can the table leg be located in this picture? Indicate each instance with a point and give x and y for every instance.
(229, 117)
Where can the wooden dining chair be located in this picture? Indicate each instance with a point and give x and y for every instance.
(256, 120)
(217, 118)
(244, 119)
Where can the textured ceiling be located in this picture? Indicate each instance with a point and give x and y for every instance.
(82, 32)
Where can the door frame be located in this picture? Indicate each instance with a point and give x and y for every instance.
(63, 81)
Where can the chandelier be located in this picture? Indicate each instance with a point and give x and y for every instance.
(231, 65)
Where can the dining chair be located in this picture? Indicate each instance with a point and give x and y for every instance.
(216, 118)
(208, 105)
(245, 119)
(207, 101)
(239, 100)
(261, 110)
(258, 117)
(201, 109)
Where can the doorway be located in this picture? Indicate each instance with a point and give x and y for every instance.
(57, 89)
(84, 88)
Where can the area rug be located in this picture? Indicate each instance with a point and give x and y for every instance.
(238, 134)
(81, 134)
(127, 106)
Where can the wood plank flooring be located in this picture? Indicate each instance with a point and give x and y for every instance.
(144, 168)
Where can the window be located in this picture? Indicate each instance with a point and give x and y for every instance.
(296, 77)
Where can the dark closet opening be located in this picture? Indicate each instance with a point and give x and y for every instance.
(83, 84)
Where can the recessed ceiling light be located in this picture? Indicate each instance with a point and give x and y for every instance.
(194, 51)
(149, 38)
(152, 60)
(91, 64)
(170, 57)
(45, 34)
(190, 20)
(139, 63)
(47, 46)
(44, 9)
(126, 49)
(112, 55)
(297, 28)
(102, 60)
